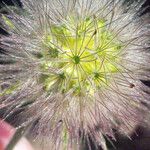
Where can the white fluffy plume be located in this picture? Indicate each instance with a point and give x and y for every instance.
(75, 66)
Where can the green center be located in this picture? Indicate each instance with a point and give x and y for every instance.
(76, 59)
(79, 56)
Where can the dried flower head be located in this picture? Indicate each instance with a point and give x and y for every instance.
(75, 66)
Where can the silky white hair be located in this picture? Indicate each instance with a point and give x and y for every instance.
(67, 121)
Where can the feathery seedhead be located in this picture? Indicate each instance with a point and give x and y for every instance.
(76, 66)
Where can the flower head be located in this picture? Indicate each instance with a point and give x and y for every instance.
(75, 66)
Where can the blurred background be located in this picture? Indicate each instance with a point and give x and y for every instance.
(140, 139)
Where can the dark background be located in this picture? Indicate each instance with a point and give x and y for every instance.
(140, 140)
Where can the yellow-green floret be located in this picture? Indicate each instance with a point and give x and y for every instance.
(82, 54)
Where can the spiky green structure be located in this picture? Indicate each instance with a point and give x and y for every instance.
(82, 58)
